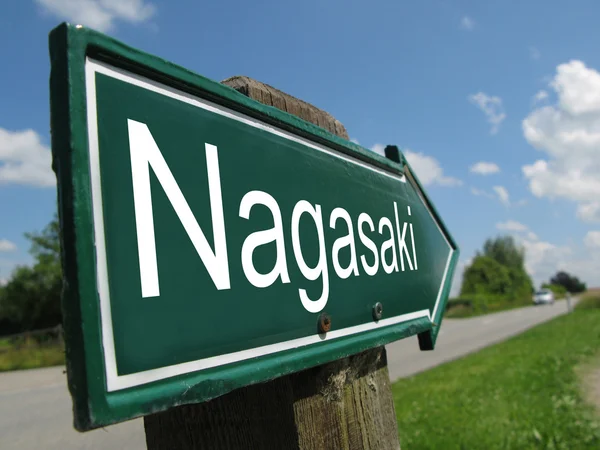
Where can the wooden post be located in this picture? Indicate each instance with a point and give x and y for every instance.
(343, 405)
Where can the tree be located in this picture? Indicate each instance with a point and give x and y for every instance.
(499, 270)
(521, 285)
(558, 289)
(485, 276)
(31, 298)
(505, 251)
(569, 282)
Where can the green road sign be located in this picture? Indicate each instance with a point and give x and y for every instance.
(207, 237)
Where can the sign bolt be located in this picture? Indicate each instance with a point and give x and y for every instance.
(324, 323)
(377, 311)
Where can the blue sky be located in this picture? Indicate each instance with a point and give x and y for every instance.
(455, 84)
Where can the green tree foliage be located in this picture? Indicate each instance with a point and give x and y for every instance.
(558, 289)
(31, 298)
(569, 282)
(521, 286)
(499, 270)
(505, 251)
(485, 276)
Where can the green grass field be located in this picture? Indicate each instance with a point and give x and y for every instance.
(525, 393)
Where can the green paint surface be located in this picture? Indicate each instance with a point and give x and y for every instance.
(191, 319)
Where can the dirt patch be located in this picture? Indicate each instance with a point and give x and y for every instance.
(590, 377)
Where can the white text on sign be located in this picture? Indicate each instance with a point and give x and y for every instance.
(145, 154)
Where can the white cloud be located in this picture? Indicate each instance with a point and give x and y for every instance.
(24, 159)
(518, 229)
(544, 259)
(592, 239)
(99, 14)
(7, 246)
(427, 168)
(511, 225)
(568, 133)
(482, 193)
(586, 267)
(502, 195)
(379, 148)
(589, 212)
(540, 96)
(491, 107)
(484, 168)
(3, 281)
(355, 141)
(466, 23)
(534, 53)
(578, 88)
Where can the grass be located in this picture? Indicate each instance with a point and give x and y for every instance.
(462, 311)
(590, 300)
(30, 356)
(524, 393)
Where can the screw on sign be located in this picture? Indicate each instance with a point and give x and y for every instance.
(324, 323)
(377, 311)
(177, 194)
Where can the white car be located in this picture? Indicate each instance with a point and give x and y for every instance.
(543, 296)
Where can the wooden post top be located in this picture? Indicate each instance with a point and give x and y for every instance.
(270, 96)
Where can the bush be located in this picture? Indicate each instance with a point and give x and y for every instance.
(478, 304)
(459, 301)
(485, 275)
(498, 272)
(521, 286)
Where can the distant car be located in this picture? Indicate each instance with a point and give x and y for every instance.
(543, 296)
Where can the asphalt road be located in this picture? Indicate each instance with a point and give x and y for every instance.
(35, 406)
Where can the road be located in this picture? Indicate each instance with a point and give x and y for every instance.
(459, 337)
(35, 407)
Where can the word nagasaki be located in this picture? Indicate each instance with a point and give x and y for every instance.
(145, 154)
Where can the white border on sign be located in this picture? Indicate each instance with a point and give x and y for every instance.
(117, 382)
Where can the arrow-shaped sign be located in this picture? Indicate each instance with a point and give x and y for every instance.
(212, 241)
